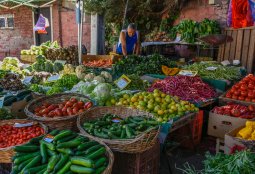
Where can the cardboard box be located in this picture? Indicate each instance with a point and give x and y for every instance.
(219, 125)
(230, 140)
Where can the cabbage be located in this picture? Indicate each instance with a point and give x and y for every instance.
(87, 88)
(102, 91)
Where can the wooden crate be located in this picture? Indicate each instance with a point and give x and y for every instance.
(241, 48)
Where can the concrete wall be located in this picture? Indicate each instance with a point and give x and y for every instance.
(21, 37)
(199, 9)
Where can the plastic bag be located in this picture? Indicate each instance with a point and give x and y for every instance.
(252, 8)
(229, 18)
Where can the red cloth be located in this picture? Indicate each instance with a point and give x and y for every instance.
(241, 15)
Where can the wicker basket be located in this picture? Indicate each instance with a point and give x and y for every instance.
(60, 123)
(137, 145)
(37, 95)
(7, 153)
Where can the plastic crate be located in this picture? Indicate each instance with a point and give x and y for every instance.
(142, 163)
(197, 125)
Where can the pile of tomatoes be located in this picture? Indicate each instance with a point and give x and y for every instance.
(243, 90)
(12, 136)
(66, 108)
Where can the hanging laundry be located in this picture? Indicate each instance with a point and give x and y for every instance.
(41, 25)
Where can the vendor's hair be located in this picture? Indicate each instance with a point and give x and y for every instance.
(132, 26)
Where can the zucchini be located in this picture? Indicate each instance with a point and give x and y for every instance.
(80, 169)
(65, 151)
(35, 170)
(65, 168)
(35, 161)
(19, 160)
(68, 138)
(52, 162)
(69, 144)
(100, 170)
(96, 154)
(100, 162)
(63, 159)
(62, 135)
(82, 161)
(43, 151)
(93, 148)
(26, 148)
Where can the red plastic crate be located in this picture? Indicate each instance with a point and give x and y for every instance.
(197, 125)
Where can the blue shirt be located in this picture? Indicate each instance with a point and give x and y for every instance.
(130, 43)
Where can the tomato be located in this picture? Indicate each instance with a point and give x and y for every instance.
(73, 100)
(75, 105)
(81, 111)
(52, 107)
(58, 112)
(64, 113)
(250, 95)
(46, 105)
(69, 111)
(51, 114)
(80, 104)
(234, 97)
(69, 104)
(251, 108)
(247, 100)
(237, 93)
(60, 106)
(243, 87)
(64, 109)
(244, 93)
(45, 111)
(241, 98)
(75, 110)
(251, 86)
(37, 109)
(88, 105)
(228, 95)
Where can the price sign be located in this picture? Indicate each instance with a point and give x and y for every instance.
(27, 79)
(122, 82)
(1, 102)
(23, 124)
(236, 62)
(188, 73)
(211, 68)
(225, 63)
(116, 120)
(63, 62)
(48, 138)
(53, 78)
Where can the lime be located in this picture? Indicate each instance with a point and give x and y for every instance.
(160, 112)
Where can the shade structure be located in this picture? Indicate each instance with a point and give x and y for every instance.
(11, 4)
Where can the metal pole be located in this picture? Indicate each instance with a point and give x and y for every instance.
(81, 33)
(78, 6)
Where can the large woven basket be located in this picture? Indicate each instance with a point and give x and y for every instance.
(137, 145)
(60, 123)
(7, 153)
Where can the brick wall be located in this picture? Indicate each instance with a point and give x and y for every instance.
(198, 10)
(21, 37)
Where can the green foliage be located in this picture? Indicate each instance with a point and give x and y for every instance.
(49, 66)
(58, 67)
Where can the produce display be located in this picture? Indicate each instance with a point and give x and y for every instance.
(243, 90)
(40, 50)
(101, 63)
(137, 83)
(12, 136)
(191, 89)
(239, 162)
(163, 106)
(11, 82)
(5, 114)
(157, 36)
(248, 132)
(69, 54)
(67, 108)
(114, 127)
(19, 96)
(11, 64)
(66, 152)
(215, 71)
(236, 110)
(141, 65)
(170, 71)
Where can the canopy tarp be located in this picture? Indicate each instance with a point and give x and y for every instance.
(11, 4)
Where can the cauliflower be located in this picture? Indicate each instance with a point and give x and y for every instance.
(89, 77)
(68, 69)
(80, 71)
(100, 79)
(107, 76)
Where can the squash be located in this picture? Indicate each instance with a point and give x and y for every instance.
(169, 71)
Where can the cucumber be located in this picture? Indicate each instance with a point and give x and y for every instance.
(36, 140)
(123, 133)
(139, 119)
(35, 161)
(150, 122)
(68, 138)
(65, 168)
(82, 161)
(101, 123)
(63, 159)
(26, 148)
(19, 160)
(65, 151)
(100, 134)
(15, 170)
(23, 164)
(100, 170)
(80, 153)
(51, 153)
(93, 148)
(69, 144)
(128, 132)
(18, 155)
(42, 171)
(69, 172)
(100, 162)
(35, 170)
(54, 132)
(43, 151)
(62, 135)
(48, 145)
(52, 162)
(112, 136)
(96, 154)
(80, 169)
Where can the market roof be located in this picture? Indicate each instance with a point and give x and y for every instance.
(11, 4)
